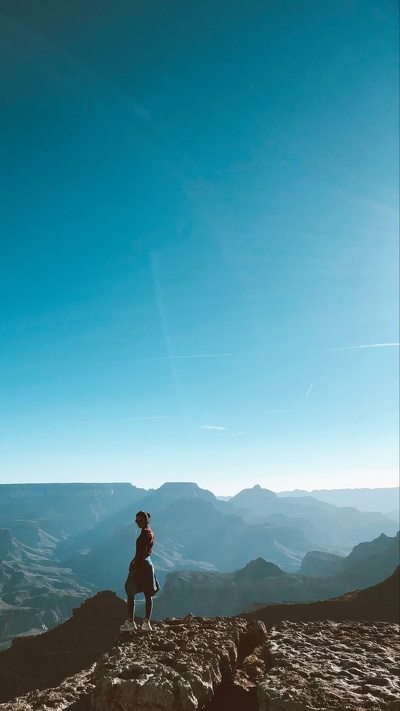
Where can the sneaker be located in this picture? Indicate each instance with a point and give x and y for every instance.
(146, 626)
(128, 626)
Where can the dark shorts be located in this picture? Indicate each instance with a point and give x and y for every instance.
(143, 579)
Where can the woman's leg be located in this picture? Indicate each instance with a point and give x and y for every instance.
(149, 605)
(131, 607)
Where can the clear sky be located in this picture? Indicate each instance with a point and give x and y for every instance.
(199, 242)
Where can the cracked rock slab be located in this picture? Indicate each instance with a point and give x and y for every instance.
(330, 666)
(177, 667)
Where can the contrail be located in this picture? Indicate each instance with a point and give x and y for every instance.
(308, 391)
(370, 345)
(273, 412)
(123, 419)
(211, 427)
(156, 358)
(201, 355)
(167, 340)
(237, 434)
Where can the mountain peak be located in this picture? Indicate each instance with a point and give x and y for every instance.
(173, 485)
(183, 490)
(259, 569)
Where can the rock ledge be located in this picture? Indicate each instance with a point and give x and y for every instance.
(177, 667)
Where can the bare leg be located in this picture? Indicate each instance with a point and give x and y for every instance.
(149, 605)
(131, 608)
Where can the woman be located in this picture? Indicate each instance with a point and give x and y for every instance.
(141, 576)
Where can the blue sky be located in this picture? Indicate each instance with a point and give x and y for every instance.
(199, 242)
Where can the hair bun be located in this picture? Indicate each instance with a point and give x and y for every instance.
(148, 515)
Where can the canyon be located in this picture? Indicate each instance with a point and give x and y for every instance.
(244, 663)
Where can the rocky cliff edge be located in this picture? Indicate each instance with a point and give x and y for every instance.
(216, 664)
(212, 664)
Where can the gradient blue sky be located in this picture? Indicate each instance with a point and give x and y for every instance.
(199, 242)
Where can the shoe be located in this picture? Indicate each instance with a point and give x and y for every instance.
(128, 626)
(146, 626)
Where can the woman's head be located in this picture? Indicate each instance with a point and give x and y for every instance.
(142, 519)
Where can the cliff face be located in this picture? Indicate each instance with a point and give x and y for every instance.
(44, 660)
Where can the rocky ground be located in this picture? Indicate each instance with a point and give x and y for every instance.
(183, 664)
(348, 666)
(200, 664)
(180, 665)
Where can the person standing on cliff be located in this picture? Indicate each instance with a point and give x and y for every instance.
(141, 576)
